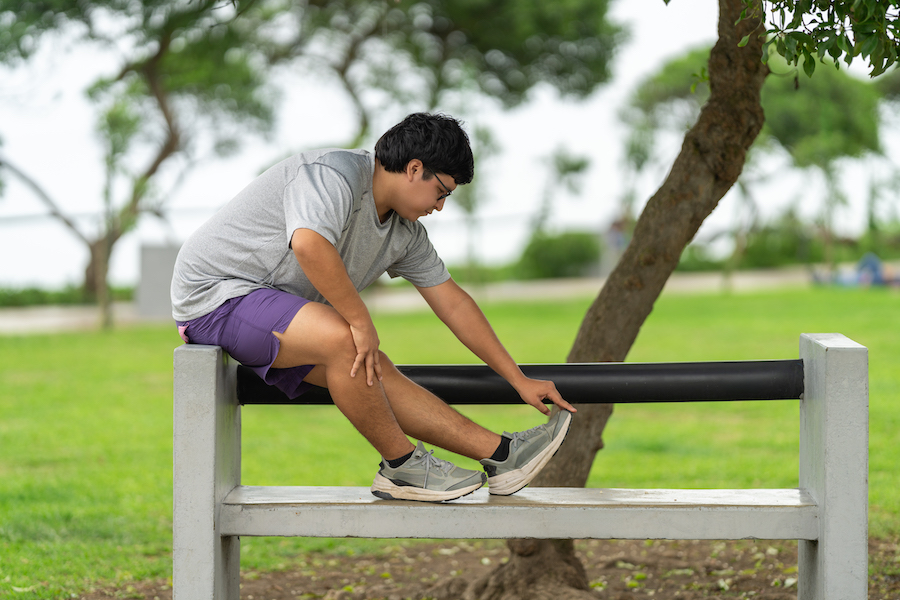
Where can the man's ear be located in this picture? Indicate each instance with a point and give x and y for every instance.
(414, 166)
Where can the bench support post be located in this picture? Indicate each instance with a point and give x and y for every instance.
(207, 465)
(834, 442)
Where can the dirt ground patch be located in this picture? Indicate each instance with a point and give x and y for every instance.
(617, 569)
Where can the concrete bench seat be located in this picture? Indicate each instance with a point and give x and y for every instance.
(575, 513)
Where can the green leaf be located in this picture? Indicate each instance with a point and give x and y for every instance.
(879, 63)
(765, 51)
(798, 15)
(802, 37)
(844, 43)
(744, 41)
(809, 65)
(869, 45)
(834, 52)
(790, 43)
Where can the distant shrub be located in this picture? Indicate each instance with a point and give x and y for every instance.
(479, 274)
(696, 258)
(69, 295)
(776, 246)
(568, 254)
(787, 241)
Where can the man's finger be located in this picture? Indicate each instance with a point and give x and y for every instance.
(558, 400)
(377, 365)
(370, 370)
(356, 364)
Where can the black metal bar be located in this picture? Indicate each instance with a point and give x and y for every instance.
(593, 383)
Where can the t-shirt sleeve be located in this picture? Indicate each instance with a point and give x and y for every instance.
(317, 198)
(421, 264)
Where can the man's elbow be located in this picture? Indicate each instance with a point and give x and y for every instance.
(306, 244)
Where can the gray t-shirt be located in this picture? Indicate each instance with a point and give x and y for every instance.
(246, 245)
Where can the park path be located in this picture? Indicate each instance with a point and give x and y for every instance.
(387, 300)
(48, 319)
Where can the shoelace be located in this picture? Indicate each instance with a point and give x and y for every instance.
(520, 436)
(431, 462)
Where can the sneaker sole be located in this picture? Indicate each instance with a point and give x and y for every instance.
(385, 489)
(510, 483)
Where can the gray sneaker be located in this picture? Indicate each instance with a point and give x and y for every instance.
(426, 478)
(529, 451)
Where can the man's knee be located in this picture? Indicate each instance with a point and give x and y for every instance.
(337, 341)
(317, 335)
(388, 369)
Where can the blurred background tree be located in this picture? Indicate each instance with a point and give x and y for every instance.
(197, 77)
(430, 53)
(822, 122)
(189, 87)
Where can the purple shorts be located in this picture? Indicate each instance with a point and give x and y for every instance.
(243, 327)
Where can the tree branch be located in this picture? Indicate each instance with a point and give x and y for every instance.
(44, 197)
(342, 70)
(149, 71)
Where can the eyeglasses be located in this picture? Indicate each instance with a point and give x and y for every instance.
(442, 196)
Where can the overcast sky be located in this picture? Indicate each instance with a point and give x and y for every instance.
(47, 130)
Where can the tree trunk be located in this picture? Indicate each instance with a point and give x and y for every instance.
(96, 284)
(710, 161)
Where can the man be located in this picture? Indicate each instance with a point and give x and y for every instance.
(274, 278)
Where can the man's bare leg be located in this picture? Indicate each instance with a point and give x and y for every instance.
(318, 335)
(426, 417)
(386, 411)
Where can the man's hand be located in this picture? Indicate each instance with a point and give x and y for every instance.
(534, 391)
(365, 338)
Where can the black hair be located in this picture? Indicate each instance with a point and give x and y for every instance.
(437, 140)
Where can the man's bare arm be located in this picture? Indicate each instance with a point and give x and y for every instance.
(324, 268)
(456, 308)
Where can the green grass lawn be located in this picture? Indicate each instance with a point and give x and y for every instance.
(86, 431)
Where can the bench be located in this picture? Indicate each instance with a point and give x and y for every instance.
(827, 513)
